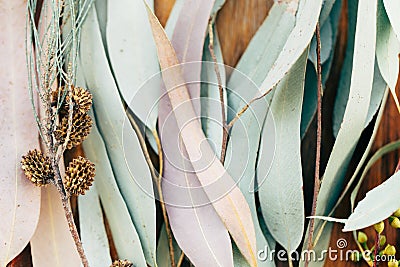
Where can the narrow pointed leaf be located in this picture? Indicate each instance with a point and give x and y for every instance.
(378, 204)
(52, 243)
(281, 186)
(387, 51)
(92, 230)
(20, 201)
(306, 20)
(125, 154)
(133, 56)
(123, 231)
(356, 109)
(225, 197)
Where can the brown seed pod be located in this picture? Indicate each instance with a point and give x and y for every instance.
(122, 263)
(81, 126)
(79, 176)
(37, 167)
(81, 99)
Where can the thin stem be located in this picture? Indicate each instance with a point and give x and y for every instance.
(180, 261)
(317, 181)
(74, 231)
(221, 92)
(142, 145)
(68, 215)
(157, 179)
(161, 197)
(376, 248)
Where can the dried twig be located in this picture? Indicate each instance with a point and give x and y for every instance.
(49, 51)
(221, 91)
(318, 148)
(157, 178)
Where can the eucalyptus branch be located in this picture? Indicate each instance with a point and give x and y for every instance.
(317, 181)
(51, 64)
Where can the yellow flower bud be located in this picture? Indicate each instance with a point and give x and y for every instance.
(379, 227)
(390, 250)
(394, 222)
(393, 263)
(362, 237)
(397, 213)
(382, 240)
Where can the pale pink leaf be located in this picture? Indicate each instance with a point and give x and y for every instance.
(52, 243)
(19, 199)
(218, 185)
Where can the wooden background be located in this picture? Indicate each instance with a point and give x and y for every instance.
(237, 22)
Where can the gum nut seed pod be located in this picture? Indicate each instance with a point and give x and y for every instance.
(122, 263)
(81, 98)
(37, 167)
(379, 227)
(79, 176)
(81, 126)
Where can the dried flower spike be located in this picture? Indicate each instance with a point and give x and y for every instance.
(37, 167)
(81, 98)
(81, 126)
(79, 176)
(122, 263)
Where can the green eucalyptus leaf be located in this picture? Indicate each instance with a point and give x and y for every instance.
(163, 257)
(356, 109)
(133, 57)
(123, 231)
(92, 230)
(387, 51)
(264, 47)
(281, 186)
(113, 126)
(211, 113)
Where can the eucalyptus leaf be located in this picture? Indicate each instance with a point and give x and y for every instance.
(310, 88)
(245, 139)
(133, 56)
(378, 154)
(134, 182)
(323, 231)
(211, 113)
(378, 204)
(326, 44)
(281, 186)
(392, 8)
(387, 51)
(306, 20)
(163, 256)
(123, 231)
(92, 230)
(356, 109)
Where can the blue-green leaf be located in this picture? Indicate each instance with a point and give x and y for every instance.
(125, 154)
